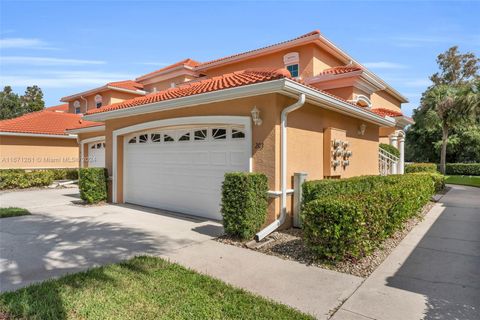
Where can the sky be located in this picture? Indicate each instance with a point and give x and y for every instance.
(66, 47)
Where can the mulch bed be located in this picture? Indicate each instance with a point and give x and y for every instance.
(288, 244)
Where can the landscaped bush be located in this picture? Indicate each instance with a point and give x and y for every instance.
(348, 218)
(93, 184)
(390, 149)
(64, 174)
(21, 179)
(463, 169)
(420, 167)
(244, 203)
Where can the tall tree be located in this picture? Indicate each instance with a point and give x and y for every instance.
(454, 105)
(456, 68)
(9, 103)
(32, 100)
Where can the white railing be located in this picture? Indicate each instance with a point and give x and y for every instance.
(387, 163)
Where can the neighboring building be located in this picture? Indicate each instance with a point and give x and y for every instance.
(38, 140)
(168, 137)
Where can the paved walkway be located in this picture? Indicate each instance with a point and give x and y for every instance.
(435, 271)
(61, 238)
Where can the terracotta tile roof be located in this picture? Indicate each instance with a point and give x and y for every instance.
(126, 84)
(255, 50)
(44, 122)
(186, 63)
(230, 80)
(59, 108)
(387, 112)
(340, 70)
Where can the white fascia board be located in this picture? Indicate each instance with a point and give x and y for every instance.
(98, 90)
(325, 100)
(87, 129)
(38, 135)
(140, 92)
(167, 74)
(190, 101)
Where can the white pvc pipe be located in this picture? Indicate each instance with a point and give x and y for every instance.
(283, 163)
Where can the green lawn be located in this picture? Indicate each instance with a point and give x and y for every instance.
(13, 212)
(140, 288)
(473, 181)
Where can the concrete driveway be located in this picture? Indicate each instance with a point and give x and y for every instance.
(61, 237)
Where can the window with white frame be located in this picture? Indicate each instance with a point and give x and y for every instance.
(98, 101)
(76, 107)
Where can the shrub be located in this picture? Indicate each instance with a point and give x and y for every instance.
(93, 184)
(464, 169)
(390, 149)
(420, 167)
(21, 179)
(348, 218)
(244, 203)
(437, 178)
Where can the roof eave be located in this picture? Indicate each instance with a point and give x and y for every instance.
(284, 86)
(38, 135)
(101, 89)
(86, 129)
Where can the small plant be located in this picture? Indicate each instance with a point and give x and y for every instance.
(244, 203)
(93, 184)
(420, 167)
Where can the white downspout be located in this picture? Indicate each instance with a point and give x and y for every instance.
(283, 163)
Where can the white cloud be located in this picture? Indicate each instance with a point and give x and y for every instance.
(62, 79)
(384, 65)
(45, 61)
(24, 43)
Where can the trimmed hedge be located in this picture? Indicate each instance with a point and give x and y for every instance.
(390, 149)
(244, 203)
(348, 218)
(463, 169)
(93, 184)
(21, 179)
(421, 167)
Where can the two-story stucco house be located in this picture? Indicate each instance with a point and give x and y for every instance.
(168, 137)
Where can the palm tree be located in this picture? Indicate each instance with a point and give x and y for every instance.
(454, 105)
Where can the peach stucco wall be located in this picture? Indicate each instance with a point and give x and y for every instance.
(165, 84)
(382, 99)
(305, 138)
(30, 152)
(108, 97)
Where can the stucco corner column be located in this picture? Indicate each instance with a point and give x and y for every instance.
(393, 141)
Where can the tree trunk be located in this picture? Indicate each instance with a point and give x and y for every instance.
(443, 153)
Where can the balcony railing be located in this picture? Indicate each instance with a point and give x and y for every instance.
(387, 163)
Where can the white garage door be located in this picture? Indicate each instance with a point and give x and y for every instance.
(182, 169)
(96, 155)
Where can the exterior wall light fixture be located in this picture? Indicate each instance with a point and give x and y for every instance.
(256, 116)
(361, 129)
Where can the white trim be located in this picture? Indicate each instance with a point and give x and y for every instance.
(87, 129)
(198, 120)
(86, 141)
(169, 74)
(101, 89)
(361, 97)
(285, 86)
(38, 135)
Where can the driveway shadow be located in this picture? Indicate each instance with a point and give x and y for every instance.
(34, 248)
(445, 265)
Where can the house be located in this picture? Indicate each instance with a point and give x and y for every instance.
(302, 105)
(38, 140)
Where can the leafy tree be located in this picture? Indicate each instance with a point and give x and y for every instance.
(32, 100)
(454, 105)
(446, 127)
(12, 105)
(9, 103)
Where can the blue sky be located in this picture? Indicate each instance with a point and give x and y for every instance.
(66, 46)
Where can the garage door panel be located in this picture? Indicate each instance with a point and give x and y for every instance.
(183, 176)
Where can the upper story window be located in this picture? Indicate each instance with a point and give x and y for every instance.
(76, 107)
(98, 101)
(293, 70)
(291, 61)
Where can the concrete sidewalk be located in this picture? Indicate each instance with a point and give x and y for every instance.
(60, 238)
(435, 271)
